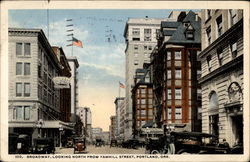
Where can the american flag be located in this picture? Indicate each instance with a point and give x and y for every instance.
(77, 42)
(121, 85)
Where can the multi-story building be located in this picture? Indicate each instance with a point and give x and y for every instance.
(105, 137)
(118, 102)
(112, 127)
(175, 72)
(122, 119)
(140, 35)
(222, 73)
(73, 63)
(96, 133)
(34, 103)
(65, 93)
(86, 117)
(142, 96)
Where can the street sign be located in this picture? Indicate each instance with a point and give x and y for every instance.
(61, 82)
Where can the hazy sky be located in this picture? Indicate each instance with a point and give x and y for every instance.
(102, 62)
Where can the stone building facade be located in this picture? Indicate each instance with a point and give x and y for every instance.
(34, 103)
(222, 74)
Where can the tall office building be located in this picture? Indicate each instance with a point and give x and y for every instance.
(140, 35)
(73, 63)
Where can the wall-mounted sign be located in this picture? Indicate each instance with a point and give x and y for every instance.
(61, 82)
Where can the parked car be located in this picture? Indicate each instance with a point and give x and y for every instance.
(99, 142)
(186, 143)
(79, 144)
(13, 137)
(70, 142)
(131, 143)
(24, 144)
(44, 146)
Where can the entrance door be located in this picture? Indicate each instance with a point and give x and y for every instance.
(237, 128)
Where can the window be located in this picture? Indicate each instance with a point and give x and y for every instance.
(178, 73)
(234, 49)
(26, 68)
(147, 31)
(135, 47)
(169, 74)
(220, 55)
(219, 26)
(147, 38)
(149, 47)
(143, 91)
(39, 71)
(178, 93)
(136, 31)
(145, 47)
(169, 93)
(18, 89)
(178, 113)
(233, 16)
(177, 55)
(45, 77)
(190, 34)
(19, 112)
(136, 62)
(169, 113)
(143, 112)
(209, 62)
(143, 101)
(208, 31)
(136, 39)
(26, 112)
(26, 89)
(26, 48)
(19, 68)
(168, 55)
(19, 49)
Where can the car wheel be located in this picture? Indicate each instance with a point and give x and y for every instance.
(155, 152)
(183, 151)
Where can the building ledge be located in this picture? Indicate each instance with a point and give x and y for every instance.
(221, 70)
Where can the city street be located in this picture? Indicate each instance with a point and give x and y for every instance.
(102, 150)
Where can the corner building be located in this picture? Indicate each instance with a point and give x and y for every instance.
(222, 74)
(176, 71)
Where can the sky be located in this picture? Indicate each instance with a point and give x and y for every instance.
(102, 58)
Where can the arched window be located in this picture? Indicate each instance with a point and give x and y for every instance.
(213, 100)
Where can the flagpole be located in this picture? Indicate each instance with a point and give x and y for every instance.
(119, 89)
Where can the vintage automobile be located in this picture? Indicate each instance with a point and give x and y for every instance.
(70, 142)
(131, 143)
(99, 142)
(113, 143)
(186, 143)
(24, 144)
(43, 146)
(13, 137)
(79, 144)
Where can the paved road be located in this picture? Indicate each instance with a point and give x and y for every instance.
(102, 150)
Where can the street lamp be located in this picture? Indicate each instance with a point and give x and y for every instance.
(60, 130)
